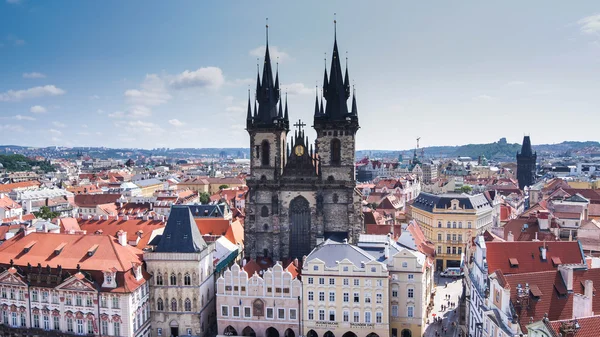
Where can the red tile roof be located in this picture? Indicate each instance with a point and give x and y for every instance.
(212, 226)
(133, 227)
(6, 188)
(588, 326)
(529, 256)
(93, 200)
(8, 203)
(235, 233)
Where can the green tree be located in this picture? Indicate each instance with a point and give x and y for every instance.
(204, 198)
(466, 189)
(46, 213)
(222, 187)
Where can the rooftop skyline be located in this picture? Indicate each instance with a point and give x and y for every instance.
(177, 74)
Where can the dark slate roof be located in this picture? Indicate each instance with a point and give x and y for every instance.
(332, 252)
(181, 235)
(207, 211)
(426, 201)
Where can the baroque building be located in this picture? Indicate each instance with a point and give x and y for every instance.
(298, 195)
(526, 160)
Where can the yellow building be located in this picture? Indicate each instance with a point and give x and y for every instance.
(345, 293)
(449, 220)
(149, 186)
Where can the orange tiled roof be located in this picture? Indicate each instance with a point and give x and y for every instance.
(133, 227)
(212, 226)
(8, 203)
(235, 233)
(6, 188)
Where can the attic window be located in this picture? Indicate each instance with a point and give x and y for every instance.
(535, 291)
(92, 250)
(28, 247)
(556, 261)
(59, 249)
(514, 263)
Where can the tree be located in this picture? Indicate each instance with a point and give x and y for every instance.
(466, 189)
(204, 198)
(222, 187)
(46, 213)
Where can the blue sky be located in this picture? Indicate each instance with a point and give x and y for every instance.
(175, 74)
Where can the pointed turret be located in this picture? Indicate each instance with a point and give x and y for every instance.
(322, 111)
(325, 80)
(354, 108)
(526, 147)
(286, 116)
(316, 104)
(347, 80)
(280, 113)
(249, 114)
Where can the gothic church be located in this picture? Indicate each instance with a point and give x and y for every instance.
(300, 196)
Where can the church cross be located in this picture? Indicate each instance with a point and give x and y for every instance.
(299, 125)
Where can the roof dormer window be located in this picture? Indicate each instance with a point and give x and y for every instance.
(109, 279)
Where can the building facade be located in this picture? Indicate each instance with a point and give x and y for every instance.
(268, 304)
(299, 195)
(526, 164)
(450, 221)
(345, 292)
(182, 286)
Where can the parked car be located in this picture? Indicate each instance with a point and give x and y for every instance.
(452, 272)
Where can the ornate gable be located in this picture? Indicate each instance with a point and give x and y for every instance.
(74, 283)
(12, 277)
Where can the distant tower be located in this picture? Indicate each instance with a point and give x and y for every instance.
(526, 161)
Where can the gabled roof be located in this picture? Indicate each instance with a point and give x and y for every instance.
(427, 202)
(181, 235)
(588, 326)
(93, 200)
(331, 252)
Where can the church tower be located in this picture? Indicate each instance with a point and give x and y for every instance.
(526, 162)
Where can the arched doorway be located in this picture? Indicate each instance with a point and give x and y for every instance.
(328, 334)
(299, 227)
(272, 332)
(349, 334)
(248, 331)
(230, 331)
(406, 333)
(372, 334)
(289, 333)
(174, 325)
(312, 333)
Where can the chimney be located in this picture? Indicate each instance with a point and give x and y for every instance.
(8, 235)
(582, 303)
(122, 236)
(543, 251)
(589, 288)
(536, 237)
(387, 250)
(510, 237)
(29, 230)
(566, 272)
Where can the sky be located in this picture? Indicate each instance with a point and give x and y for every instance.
(172, 74)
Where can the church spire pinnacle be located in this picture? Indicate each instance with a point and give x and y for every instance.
(316, 101)
(354, 108)
(286, 116)
(249, 114)
(267, 90)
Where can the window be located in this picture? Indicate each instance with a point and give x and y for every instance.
(346, 268)
(89, 301)
(356, 298)
(356, 317)
(346, 316)
(224, 311)
(404, 264)
(321, 296)
(410, 311)
(460, 238)
(187, 280)
(459, 250)
(454, 224)
(159, 280)
(79, 326)
(236, 311)
(173, 304)
(321, 280)
(367, 317)
(439, 224)
(411, 293)
(331, 296)
(69, 324)
(188, 307)
(346, 297)
(448, 224)
(332, 315)
(394, 292)
(336, 151)
(311, 314)
(46, 321)
(373, 269)
(104, 328)
(453, 237)
(453, 250)
(394, 311)
(14, 319)
(460, 224)
(356, 282)
(448, 250)
(103, 303)
(264, 211)
(55, 298)
(280, 313)
(448, 237)
(78, 300)
(160, 305)
(173, 279)
(266, 151)
(270, 313)
(292, 314)
(247, 312)
(12, 294)
(44, 296)
(310, 280)
(439, 237)
(36, 320)
(379, 298)
(367, 297)
(345, 282)
(311, 296)
(331, 281)
(90, 327)
(439, 249)
(378, 317)
(22, 295)
(315, 267)
(115, 302)
(469, 224)
(5, 317)
(24, 321)
(116, 329)
(321, 315)
(34, 295)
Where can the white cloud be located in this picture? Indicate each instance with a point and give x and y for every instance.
(234, 109)
(9, 127)
(153, 92)
(24, 118)
(139, 111)
(483, 98)
(19, 42)
(37, 109)
(59, 124)
(515, 83)
(590, 24)
(84, 126)
(208, 77)
(242, 81)
(17, 95)
(273, 51)
(33, 75)
(13, 2)
(117, 114)
(94, 97)
(55, 132)
(175, 122)
(297, 89)
(100, 111)
(139, 126)
(83, 133)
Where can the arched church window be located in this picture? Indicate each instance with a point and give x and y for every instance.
(188, 305)
(336, 151)
(266, 227)
(173, 279)
(330, 178)
(266, 151)
(264, 211)
(187, 280)
(173, 304)
(159, 280)
(159, 305)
